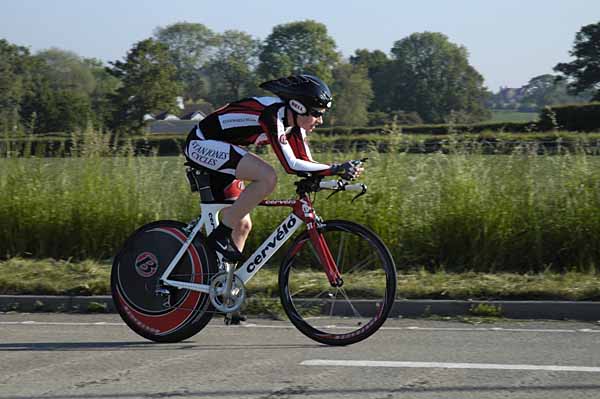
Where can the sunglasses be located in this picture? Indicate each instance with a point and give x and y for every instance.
(316, 113)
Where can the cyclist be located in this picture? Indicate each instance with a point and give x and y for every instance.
(283, 122)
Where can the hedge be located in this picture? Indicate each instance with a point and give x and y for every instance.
(580, 117)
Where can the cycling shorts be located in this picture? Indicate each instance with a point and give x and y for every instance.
(222, 158)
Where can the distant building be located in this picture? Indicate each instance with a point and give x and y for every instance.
(193, 116)
(166, 122)
(166, 116)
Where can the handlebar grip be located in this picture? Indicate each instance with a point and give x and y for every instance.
(330, 184)
(355, 187)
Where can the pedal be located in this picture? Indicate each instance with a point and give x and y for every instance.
(234, 318)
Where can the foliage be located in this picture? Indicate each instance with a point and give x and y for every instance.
(14, 70)
(539, 92)
(376, 62)
(454, 209)
(190, 48)
(585, 69)
(19, 276)
(148, 85)
(583, 118)
(105, 86)
(231, 68)
(352, 96)
(65, 70)
(298, 47)
(379, 118)
(432, 76)
(500, 115)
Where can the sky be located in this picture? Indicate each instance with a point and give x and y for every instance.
(509, 41)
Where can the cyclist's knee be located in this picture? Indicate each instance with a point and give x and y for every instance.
(245, 225)
(269, 179)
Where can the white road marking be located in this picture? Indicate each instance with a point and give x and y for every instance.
(429, 365)
(288, 326)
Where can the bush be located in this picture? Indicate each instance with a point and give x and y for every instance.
(581, 118)
(400, 117)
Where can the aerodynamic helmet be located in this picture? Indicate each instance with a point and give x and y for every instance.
(302, 93)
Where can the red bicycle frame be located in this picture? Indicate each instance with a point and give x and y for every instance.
(303, 208)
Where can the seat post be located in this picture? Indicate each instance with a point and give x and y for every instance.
(199, 180)
(203, 180)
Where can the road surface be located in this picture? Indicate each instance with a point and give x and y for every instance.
(97, 356)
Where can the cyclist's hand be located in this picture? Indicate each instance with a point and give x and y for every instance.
(349, 170)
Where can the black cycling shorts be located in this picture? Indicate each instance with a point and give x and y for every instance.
(222, 158)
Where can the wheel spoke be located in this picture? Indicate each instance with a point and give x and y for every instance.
(332, 315)
(356, 313)
(369, 260)
(334, 301)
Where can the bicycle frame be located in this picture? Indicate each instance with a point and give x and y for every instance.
(302, 213)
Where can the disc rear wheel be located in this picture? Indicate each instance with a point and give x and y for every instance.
(158, 313)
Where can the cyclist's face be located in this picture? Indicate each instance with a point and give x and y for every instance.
(309, 122)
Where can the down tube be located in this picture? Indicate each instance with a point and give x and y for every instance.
(258, 259)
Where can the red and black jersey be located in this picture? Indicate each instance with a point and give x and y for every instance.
(260, 121)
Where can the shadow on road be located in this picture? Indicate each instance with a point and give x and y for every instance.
(141, 345)
(306, 391)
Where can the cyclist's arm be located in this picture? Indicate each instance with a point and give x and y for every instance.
(295, 162)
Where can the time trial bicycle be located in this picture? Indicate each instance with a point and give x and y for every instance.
(337, 280)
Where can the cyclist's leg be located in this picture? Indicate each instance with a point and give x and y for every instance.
(263, 180)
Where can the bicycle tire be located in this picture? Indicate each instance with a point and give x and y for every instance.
(135, 277)
(318, 310)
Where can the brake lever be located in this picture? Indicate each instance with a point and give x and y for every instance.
(341, 186)
(363, 192)
(333, 193)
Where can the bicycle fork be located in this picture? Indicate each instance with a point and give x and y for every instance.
(304, 209)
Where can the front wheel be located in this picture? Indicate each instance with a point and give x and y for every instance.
(338, 315)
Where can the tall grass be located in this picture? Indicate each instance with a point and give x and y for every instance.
(458, 210)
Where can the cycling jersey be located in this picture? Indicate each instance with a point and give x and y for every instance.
(259, 121)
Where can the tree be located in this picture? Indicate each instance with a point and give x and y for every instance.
(432, 76)
(106, 86)
(298, 47)
(352, 94)
(545, 90)
(148, 84)
(231, 69)
(190, 48)
(14, 70)
(375, 61)
(584, 71)
(66, 70)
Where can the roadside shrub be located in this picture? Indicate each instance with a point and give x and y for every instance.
(580, 117)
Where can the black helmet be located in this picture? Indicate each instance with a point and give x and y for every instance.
(308, 92)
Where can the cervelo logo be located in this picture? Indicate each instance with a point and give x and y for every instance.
(281, 233)
(297, 106)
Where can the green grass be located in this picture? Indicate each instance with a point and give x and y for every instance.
(456, 210)
(49, 277)
(513, 116)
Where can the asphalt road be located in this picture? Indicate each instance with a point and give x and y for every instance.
(96, 356)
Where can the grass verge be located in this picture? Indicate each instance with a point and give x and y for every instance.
(20, 276)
